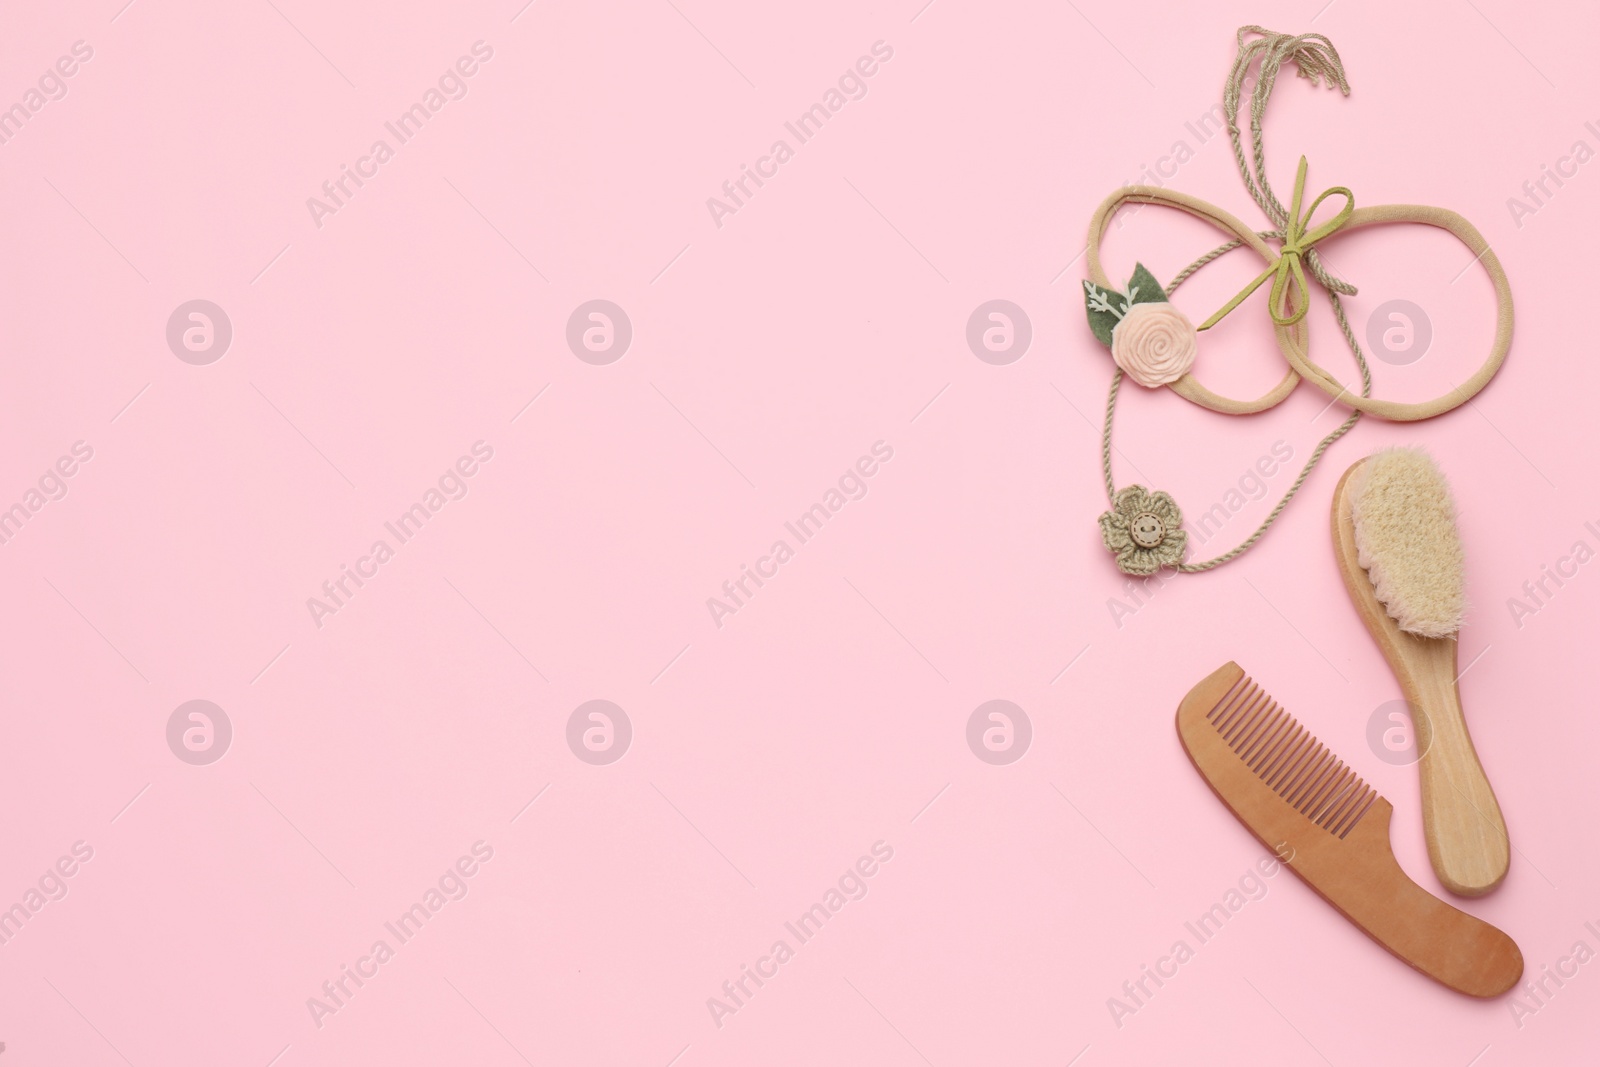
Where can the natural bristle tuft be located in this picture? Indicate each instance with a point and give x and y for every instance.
(1406, 538)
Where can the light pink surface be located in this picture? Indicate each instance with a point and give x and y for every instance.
(830, 711)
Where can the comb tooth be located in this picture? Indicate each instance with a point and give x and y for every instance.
(1325, 791)
(1314, 790)
(1317, 773)
(1334, 821)
(1237, 714)
(1245, 720)
(1275, 765)
(1229, 704)
(1244, 684)
(1349, 789)
(1352, 803)
(1269, 736)
(1311, 767)
(1353, 799)
(1289, 774)
(1346, 783)
(1241, 707)
(1361, 811)
(1303, 775)
(1246, 742)
(1289, 759)
(1287, 730)
(1343, 820)
(1239, 686)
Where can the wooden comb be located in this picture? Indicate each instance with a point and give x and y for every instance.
(1332, 829)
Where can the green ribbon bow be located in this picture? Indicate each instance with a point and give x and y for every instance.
(1297, 241)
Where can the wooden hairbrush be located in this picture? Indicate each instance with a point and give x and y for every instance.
(1398, 548)
(1332, 829)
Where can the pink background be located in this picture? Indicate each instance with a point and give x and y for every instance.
(768, 354)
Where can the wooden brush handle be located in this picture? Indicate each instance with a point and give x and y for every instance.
(1467, 840)
(1466, 834)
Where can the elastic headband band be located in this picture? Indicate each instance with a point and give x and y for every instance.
(1294, 341)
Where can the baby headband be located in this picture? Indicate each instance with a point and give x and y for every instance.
(1155, 344)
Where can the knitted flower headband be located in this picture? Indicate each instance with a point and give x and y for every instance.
(1155, 344)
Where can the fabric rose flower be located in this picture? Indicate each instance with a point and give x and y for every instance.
(1154, 343)
(1144, 529)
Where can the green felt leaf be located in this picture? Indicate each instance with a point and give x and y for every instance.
(1100, 321)
(1145, 290)
(1149, 290)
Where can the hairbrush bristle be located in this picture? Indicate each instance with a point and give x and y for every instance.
(1406, 538)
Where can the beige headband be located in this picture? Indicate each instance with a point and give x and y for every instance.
(1294, 341)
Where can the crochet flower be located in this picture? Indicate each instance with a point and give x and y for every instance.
(1154, 343)
(1144, 530)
